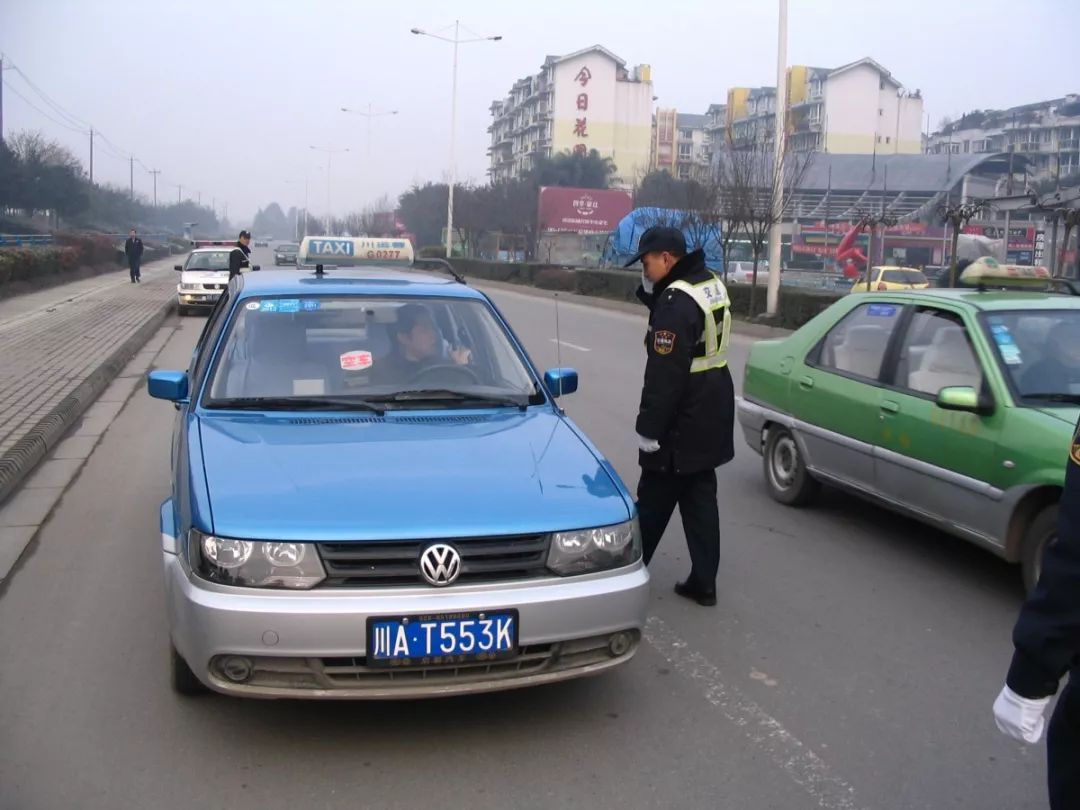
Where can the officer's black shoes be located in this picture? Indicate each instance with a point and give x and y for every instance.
(703, 598)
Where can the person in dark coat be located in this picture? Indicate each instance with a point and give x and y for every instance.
(238, 256)
(686, 419)
(1046, 639)
(133, 249)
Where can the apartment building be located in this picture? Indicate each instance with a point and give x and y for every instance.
(1047, 133)
(681, 144)
(579, 102)
(858, 108)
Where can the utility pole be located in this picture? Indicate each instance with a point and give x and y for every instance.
(2, 100)
(155, 172)
(772, 294)
(131, 165)
(91, 156)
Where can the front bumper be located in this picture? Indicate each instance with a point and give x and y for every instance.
(206, 298)
(312, 644)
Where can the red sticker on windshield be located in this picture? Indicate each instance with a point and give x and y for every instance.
(356, 361)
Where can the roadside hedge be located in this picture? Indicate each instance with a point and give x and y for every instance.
(44, 266)
(797, 305)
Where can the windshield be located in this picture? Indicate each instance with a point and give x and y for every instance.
(210, 260)
(903, 277)
(288, 248)
(1040, 351)
(399, 351)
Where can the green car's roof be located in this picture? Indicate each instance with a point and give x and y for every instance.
(990, 301)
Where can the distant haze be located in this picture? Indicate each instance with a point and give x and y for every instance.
(226, 97)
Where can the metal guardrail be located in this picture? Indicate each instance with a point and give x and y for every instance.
(25, 239)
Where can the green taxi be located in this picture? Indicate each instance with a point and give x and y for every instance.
(955, 406)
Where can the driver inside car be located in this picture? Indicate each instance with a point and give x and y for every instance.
(418, 344)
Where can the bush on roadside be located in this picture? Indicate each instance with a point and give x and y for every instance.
(554, 278)
(93, 249)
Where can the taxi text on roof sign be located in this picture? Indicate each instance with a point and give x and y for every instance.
(349, 252)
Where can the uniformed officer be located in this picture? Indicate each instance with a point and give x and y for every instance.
(1047, 642)
(238, 256)
(686, 420)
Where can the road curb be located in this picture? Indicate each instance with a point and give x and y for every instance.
(21, 460)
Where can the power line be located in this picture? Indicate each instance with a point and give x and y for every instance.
(48, 100)
(33, 106)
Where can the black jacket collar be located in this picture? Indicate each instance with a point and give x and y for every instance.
(686, 266)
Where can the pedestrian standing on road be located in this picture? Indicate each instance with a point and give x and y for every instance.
(1047, 642)
(133, 249)
(686, 420)
(238, 257)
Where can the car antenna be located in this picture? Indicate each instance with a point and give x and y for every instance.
(460, 279)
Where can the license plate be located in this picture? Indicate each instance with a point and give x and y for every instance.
(441, 639)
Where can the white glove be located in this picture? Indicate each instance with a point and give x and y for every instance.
(646, 285)
(647, 445)
(1021, 718)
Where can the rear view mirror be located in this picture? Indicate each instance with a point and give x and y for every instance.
(256, 267)
(178, 267)
(169, 385)
(958, 398)
(561, 381)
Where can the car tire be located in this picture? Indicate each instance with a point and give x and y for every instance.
(181, 677)
(1040, 533)
(786, 476)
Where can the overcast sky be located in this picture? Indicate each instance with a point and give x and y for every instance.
(226, 97)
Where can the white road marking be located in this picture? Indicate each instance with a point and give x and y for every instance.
(794, 758)
(571, 345)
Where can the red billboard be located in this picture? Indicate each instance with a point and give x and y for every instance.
(582, 210)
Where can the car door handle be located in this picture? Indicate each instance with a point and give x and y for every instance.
(806, 382)
(890, 407)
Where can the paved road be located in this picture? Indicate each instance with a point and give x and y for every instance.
(851, 662)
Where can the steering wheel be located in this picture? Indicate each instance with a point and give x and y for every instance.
(461, 371)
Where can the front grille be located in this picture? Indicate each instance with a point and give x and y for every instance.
(397, 562)
(215, 286)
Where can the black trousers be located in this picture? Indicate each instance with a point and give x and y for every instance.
(1063, 750)
(695, 494)
(133, 266)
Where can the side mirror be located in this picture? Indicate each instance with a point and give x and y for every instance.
(959, 398)
(256, 267)
(170, 385)
(561, 381)
(178, 267)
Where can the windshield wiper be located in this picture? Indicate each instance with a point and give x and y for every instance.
(449, 395)
(297, 403)
(1055, 396)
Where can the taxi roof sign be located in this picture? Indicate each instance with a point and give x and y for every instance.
(988, 271)
(345, 251)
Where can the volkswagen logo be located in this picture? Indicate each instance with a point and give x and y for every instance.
(440, 564)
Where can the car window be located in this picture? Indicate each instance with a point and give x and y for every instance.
(288, 247)
(936, 353)
(374, 347)
(903, 277)
(856, 345)
(216, 260)
(1040, 352)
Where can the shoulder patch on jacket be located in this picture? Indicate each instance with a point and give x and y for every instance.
(664, 342)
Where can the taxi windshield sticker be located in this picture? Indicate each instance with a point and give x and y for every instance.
(664, 342)
(1006, 344)
(882, 310)
(356, 361)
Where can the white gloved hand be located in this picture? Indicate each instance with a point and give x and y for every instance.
(1019, 717)
(645, 283)
(647, 445)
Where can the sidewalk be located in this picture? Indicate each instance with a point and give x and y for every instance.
(60, 348)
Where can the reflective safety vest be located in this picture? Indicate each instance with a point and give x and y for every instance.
(712, 299)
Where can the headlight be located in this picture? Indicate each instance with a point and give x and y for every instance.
(255, 563)
(191, 287)
(589, 550)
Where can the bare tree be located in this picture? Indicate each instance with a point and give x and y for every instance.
(757, 193)
(959, 215)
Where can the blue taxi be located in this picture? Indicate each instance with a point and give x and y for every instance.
(376, 495)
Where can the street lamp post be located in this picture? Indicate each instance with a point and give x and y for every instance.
(329, 164)
(369, 114)
(456, 41)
